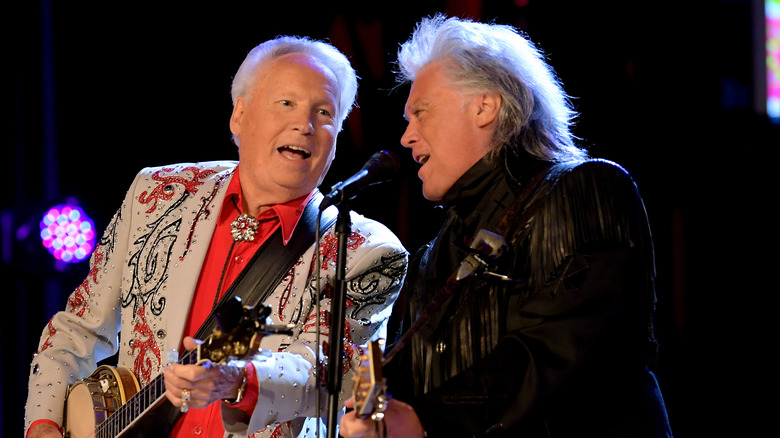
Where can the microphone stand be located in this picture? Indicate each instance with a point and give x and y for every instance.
(337, 310)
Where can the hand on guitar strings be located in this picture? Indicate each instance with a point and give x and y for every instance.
(400, 421)
(197, 386)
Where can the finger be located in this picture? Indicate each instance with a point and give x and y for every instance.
(219, 381)
(186, 397)
(191, 343)
(351, 427)
(190, 373)
(175, 395)
(350, 403)
(172, 376)
(175, 386)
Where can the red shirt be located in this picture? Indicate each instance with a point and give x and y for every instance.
(225, 260)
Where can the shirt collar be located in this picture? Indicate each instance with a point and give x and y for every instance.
(289, 213)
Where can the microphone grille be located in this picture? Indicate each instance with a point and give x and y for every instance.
(384, 161)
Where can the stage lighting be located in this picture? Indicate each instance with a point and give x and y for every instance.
(68, 233)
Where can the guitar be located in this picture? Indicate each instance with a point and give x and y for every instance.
(370, 390)
(111, 403)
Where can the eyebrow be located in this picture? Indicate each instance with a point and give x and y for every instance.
(406, 107)
(418, 104)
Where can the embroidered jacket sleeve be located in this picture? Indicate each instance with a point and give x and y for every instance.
(150, 239)
(86, 332)
(376, 267)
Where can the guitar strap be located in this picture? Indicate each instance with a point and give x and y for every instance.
(273, 260)
(506, 227)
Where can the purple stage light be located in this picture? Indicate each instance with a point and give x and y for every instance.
(68, 233)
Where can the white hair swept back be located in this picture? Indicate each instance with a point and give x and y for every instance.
(535, 115)
(330, 56)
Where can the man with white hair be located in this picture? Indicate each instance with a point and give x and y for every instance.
(185, 233)
(530, 313)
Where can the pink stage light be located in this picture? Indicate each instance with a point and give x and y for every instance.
(68, 233)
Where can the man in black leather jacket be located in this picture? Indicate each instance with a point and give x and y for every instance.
(542, 276)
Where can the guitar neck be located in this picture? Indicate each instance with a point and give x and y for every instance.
(133, 411)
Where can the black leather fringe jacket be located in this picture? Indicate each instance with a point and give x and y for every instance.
(562, 345)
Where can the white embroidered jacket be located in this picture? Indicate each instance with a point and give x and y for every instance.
(142, 279)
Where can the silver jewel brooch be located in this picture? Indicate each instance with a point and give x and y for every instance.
(244, 228)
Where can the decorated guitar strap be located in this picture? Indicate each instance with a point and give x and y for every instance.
(485, 247)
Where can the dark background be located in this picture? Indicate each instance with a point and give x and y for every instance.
(91, 93)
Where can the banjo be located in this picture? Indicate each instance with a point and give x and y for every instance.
(110, 402)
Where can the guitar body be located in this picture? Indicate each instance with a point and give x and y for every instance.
(92, 400)
(111, 404)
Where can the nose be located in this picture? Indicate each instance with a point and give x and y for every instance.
(304, 123)
(409, 138)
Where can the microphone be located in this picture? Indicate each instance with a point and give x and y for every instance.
(379, 168)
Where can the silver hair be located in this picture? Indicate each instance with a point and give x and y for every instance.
(330, 56)
(535, 114)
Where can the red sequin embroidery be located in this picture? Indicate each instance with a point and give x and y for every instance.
(324, 322)
(78, 300)
(165, 191)
(148, 350)
(284, 299)
(277, 432)
(329, 246)
(52, 332)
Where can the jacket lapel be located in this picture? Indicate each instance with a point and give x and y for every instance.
(192, 244)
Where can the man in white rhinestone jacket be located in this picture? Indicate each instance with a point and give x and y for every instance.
(183, 234)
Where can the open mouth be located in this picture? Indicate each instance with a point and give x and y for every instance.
(291, 151)
(422, 159)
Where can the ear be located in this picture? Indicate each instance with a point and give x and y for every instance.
(237, 116)
(487, 108)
